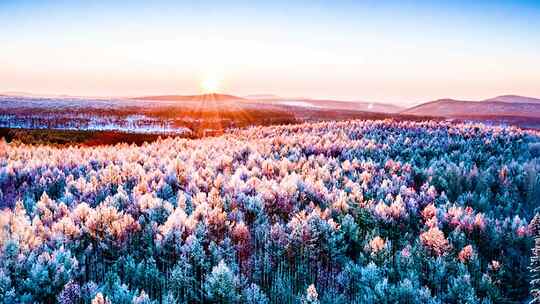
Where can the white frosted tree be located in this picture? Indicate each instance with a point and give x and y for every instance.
(221, 284)
(311, 297)
(100, 299)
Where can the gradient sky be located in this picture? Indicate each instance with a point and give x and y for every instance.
(401, 52)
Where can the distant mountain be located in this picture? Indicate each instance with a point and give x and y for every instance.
(514, 99)
(502, 106)
(202, 97)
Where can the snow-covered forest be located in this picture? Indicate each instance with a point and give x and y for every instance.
(333, 212)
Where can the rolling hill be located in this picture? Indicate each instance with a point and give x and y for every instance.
(514, 99)
(502, 106)
(520, 111)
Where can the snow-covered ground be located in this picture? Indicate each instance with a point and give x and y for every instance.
(81, 114)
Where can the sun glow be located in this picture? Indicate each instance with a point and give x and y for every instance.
(210, 85)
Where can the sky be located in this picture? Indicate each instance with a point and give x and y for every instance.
(400, 52)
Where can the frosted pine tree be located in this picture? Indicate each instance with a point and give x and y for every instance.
(311, 297)
(169, 299)
(71, 294)
(142, 298)
(535, 261)
(221, 284)
(100, 299)
(535, 272)
(254, 295)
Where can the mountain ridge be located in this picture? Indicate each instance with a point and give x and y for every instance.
(504, 105)
(514, 99)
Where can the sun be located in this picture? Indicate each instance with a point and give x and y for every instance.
(210, 85)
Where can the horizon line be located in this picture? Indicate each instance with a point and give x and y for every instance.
(274, 96)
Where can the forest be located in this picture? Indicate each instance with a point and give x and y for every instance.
(331, 212)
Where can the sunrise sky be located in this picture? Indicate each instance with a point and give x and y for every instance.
(389, 52)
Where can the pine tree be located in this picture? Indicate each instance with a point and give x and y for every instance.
(142, 298)
(89, 291)
(71, 294)
(220, 285)
(169, 299)
(311, 297)
(254, 295)
(115, 291)
(182, 282)
(6, 289)
(460, 290)
(100, 299)
(534, 226)
(535, 262)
